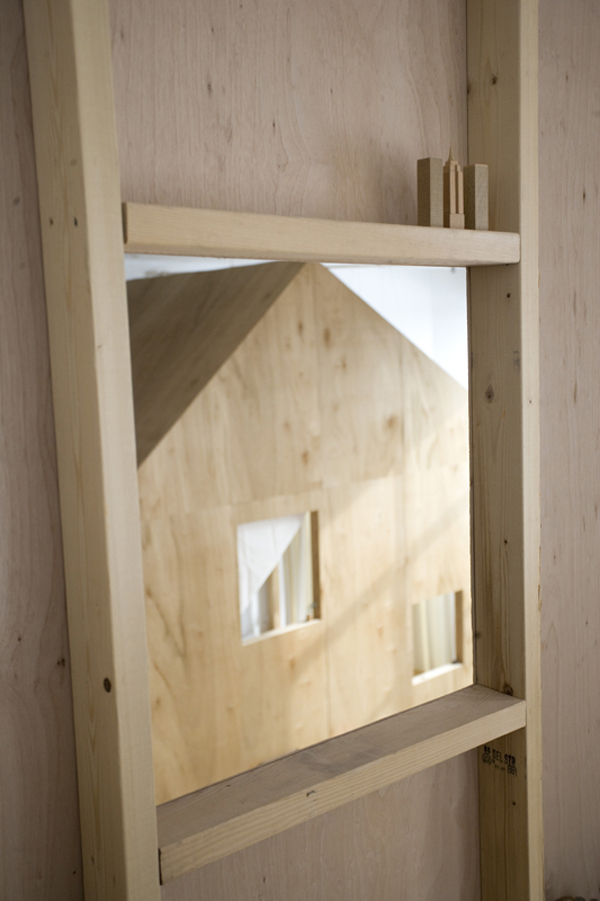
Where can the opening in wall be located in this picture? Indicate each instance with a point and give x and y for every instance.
(277, 573)
(437, 635)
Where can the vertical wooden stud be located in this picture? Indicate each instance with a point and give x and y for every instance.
(454, 194)
(476, 179)
(68, 44)
(430, 192)
(503, 312)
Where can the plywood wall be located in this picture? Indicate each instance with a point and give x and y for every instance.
(357, 91)
(570, 432)
(39, 827)
(323, 407)
(316, 108)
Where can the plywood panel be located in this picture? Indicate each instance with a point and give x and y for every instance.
(216, 821)
(182, 329)
(570, 368)
(364, 602)
(360, 386)
(401, 842)
(399, 93)
(311, 413)
(436, 478)
(255, 432)
(218, 706)
(314, 109)
(39, 827)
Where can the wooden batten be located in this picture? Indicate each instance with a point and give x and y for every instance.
(79, 194)
(503, 313)
(216, 821)
(171, 230)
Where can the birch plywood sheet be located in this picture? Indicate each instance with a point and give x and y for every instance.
(570, 368)
(399, 843)
(310, 413)
(314, 108)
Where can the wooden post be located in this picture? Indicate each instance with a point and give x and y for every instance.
(430, 192)
(503, 313)
(476, 178)
(70, 69)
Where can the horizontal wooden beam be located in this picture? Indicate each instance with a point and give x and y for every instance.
(173, 230)
(216, 821)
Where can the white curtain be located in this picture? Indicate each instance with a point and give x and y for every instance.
(296, 577)
(434, 632)
(260, 546)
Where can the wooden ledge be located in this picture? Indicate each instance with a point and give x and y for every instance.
(174, 230)
(216, 821)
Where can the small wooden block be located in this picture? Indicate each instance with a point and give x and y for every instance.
(430, 192)
(477, 196)
(454, 220)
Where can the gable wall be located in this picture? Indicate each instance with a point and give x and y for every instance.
(323, 407)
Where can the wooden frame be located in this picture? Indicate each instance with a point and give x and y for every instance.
(71, 80)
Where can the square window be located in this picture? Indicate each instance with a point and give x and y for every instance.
(436, 634)
(276, 574)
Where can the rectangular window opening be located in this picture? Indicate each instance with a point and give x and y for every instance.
(278, 574)
(437, 635)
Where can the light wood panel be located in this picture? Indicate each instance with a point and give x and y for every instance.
(362, 850)
(204, 826)
(569, 326)
(220, 707)
(77, 168)
(324, 406)
(503, 312)
(40, 853)
(176, 230)
(319, 109)
(182, 329)
(352, 160)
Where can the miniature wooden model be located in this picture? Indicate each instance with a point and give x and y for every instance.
(430, 192)
(454, 206)
(476, 179)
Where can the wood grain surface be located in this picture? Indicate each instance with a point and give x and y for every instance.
(398, 73)
(397, 843)
(504, 383)
(190, 232)
(306, 109)
(40, 853)
(200, 828)
(326, 407)
(182, 329)
(570, 369)
(364, 849)
(80, 214)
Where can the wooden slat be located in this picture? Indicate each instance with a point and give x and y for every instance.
(503, 311)
(79, 194)
(173, 230)
(216, 821)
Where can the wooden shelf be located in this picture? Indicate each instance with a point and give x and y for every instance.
(174, 230)
(216, 821)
